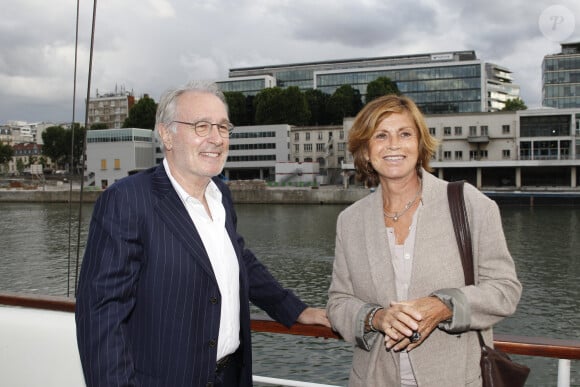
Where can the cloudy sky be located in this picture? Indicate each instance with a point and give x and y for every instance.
(149, 45)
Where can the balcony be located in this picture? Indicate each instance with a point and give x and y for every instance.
(478, 139)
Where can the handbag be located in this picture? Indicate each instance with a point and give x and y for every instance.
(497, 369)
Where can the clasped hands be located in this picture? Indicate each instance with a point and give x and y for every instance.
(401, 319)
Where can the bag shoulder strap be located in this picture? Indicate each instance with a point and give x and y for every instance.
(461, 228)
(462, 234)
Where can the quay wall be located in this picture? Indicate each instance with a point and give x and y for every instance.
(251, 196)
(322, 195)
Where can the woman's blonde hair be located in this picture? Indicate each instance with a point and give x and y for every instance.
(369, 118)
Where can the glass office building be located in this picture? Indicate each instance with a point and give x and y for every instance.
(439, 83)
(561, 78)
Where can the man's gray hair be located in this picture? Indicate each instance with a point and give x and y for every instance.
(166, 109)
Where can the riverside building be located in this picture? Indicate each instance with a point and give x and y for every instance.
(110, 109)
(115, 153)
(448, 82)
(561, 77)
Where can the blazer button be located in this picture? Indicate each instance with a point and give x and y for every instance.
(213, 300)
(212, 343)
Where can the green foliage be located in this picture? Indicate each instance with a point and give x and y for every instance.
(379, 87)
(142, 114)
(6, 153)
(99, 126)
(240, 108)
(57, 144)
(281, 106)
(344, 102)
(514, 105)
(317, 102)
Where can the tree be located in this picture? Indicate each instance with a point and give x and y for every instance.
(295, 107)
(238, 108)
(99, 126)
(57, 145)
(317, 102)
(379, 87)
(142, 114)
(514, 105)
(269, 105)
(6, 153)
(344, 102)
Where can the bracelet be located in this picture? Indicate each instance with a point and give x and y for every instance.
(371, 316)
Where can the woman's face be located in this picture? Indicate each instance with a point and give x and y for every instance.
(394, 147)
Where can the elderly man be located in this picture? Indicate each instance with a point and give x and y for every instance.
(166, 281)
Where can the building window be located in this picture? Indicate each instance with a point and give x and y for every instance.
(308, 136)
(505, 129)
(506, 153)
(117, 164)
(307, 147)
(433, 131)
(458, 130)
(296, 136)
(330, 135)
(103, 164)
(341, 135)
(447, 154)
(296, 148)
(320, 147)
(484, 131)
(458, 155)
(473, 130)
(483, 154)
(473, 155)
(320, 135)
(447, 131)
(341, 146)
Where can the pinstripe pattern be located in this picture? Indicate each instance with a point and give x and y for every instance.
(148, 304)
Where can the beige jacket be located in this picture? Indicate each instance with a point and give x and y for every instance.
(363, 274)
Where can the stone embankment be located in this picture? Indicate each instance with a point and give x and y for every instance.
(251, 191)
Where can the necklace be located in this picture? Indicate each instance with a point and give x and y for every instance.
(409, 204)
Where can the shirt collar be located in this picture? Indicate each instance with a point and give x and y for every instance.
(211, 190)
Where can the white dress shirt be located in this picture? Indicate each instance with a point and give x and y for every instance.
(222, 256)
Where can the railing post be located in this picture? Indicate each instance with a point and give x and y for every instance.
(564, 372)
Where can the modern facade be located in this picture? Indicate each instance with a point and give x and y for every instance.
(248, 85)
(561, 78)
(110, 109)
(448, 82)
(115, 153)
(514, 150)
(255, 150)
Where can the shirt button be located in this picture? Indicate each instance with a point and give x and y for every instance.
(212, 343)
(407, 256)
(213, 300)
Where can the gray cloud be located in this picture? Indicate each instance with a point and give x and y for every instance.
(149, 45)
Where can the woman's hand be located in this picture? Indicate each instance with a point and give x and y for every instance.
(427, 313)
(397, 322)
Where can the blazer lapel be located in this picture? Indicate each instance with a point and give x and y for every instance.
(379, 254)
(173, 213)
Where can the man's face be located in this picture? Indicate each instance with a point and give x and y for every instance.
(194, 159)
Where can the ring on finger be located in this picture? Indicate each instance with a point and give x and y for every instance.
(416, 336)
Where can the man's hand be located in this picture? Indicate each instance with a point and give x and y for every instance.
(314, 316)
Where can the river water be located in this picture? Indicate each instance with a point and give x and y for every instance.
(297, 242)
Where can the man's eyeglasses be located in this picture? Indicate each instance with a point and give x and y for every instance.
(202, 128)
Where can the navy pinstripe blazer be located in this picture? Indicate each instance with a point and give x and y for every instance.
(148, 304)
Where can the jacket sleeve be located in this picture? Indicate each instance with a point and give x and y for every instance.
(497, 290)
(106, 296)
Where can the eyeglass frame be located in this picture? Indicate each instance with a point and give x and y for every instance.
(230, 127)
